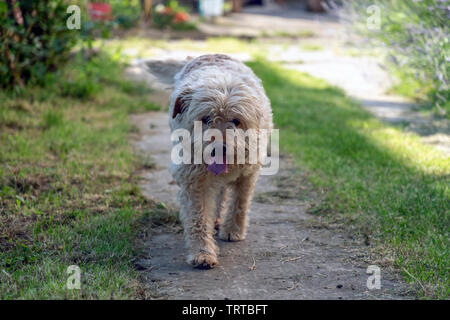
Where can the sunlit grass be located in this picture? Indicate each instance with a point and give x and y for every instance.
(144, 47)
(137, 47)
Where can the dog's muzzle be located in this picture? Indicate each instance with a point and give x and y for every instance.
(217, 167)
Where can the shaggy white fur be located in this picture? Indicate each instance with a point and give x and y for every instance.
(224, 94)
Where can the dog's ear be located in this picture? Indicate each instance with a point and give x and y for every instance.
(181, 103)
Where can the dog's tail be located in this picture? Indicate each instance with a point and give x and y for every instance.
(165, 70)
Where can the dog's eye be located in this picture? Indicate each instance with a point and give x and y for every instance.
(206, 120)
(236, 122)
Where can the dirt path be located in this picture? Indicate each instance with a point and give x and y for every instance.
(288, 254)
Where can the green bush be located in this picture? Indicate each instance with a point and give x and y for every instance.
(34, 40)
(126, 12)
(80, 86)
(415, 35)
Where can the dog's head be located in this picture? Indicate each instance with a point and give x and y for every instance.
(231, 108)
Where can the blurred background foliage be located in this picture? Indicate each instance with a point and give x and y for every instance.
(415, 36)
(34, 40)
(172, 15)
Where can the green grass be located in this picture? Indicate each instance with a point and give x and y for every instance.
(383, 180)
(408, 85)
(68, 192)
(311, 47)
(146, 47)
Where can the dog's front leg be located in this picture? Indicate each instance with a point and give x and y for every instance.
(234, 227)
(197, 213)
(222, 205)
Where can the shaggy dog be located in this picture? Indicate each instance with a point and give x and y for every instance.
(223, 94)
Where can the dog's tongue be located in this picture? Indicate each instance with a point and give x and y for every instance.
(217, 168)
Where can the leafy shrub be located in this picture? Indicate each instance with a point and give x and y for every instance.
(34, 40)
(126, 12)
(415, 35)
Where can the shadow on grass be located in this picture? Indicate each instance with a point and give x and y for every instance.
(394, 186)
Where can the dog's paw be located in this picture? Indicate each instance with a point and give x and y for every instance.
(203, 260)
(231, 235)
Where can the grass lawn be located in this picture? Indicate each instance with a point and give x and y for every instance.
(68, 193)
(386, 181)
